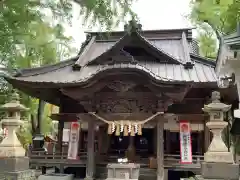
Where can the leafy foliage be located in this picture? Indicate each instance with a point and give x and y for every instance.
(207, 42)
(106, 12)
(32, 35)
(221, 15)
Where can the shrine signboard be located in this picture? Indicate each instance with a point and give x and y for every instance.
(73, 141)
(185, 143)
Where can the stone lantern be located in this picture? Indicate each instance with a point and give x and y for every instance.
(217, 151)
(218, 161)
(13, 162)
(10, 145)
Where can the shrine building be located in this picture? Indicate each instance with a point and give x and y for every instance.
(129, 90)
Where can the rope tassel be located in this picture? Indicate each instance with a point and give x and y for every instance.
(109, 128)
(139, 129)
(125, 131)
(132, 131)
(117, 132)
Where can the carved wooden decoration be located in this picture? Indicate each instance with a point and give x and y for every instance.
(126, 95)
(121, 86)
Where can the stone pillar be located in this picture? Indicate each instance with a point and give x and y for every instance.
(13, 163)
(218, 162)
(90, 151)
(160, 149)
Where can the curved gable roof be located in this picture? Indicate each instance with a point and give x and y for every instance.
(125, 41)
(174, 47)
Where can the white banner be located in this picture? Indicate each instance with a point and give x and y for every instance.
(185, 142)
(73, 141)
(66, 133)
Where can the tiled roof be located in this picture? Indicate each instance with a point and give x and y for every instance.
(176, 48)
(164, 72)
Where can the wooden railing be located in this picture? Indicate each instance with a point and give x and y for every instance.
(170, 160)
(196, 159)
(57, 155)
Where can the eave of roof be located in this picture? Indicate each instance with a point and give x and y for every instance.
(163, 73)
(45, 69)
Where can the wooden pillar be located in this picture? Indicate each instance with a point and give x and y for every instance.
(160, 149)
(200, 142)
(90, 151)
(168, 142)
(101, 140)
(60, 134)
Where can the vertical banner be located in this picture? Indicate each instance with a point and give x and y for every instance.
(73, 141)
(185, 143)
(65, 137)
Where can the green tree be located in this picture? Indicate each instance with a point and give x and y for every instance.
(207, 42)
(32, 35)
(220, 15)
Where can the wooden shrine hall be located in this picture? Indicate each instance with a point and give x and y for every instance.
(149, 79)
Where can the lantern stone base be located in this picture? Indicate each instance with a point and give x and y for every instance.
(220, 170)
(10, 164)
(225, 157)
(18, 175)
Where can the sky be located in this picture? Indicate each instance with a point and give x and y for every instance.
(153, 14)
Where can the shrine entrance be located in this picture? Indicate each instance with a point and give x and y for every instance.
(127, 81)
(143, 144)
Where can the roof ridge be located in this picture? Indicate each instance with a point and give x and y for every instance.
(152, 30)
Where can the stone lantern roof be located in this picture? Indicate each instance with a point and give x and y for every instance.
(216, 105)
(14, 104)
